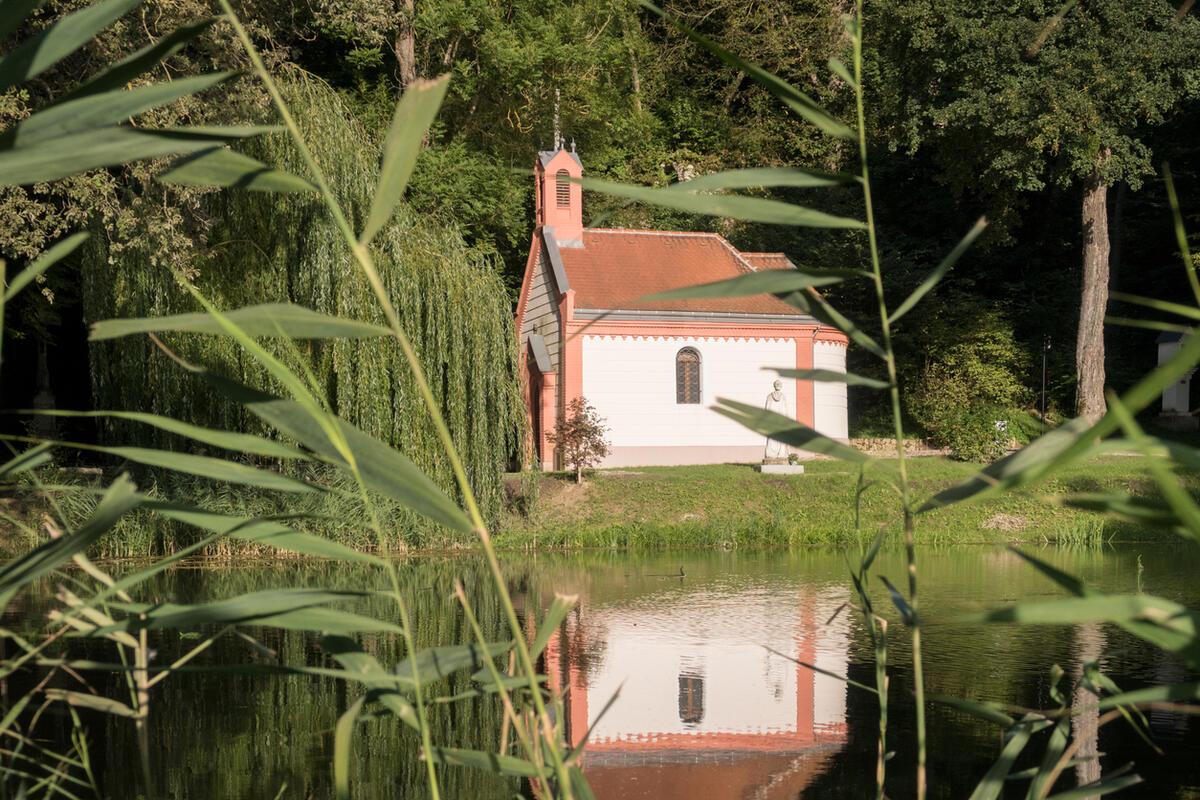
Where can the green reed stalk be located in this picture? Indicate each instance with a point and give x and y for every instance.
(894, 392)
(881, 681)
(366, 263)
(335, 437)
(510, 713)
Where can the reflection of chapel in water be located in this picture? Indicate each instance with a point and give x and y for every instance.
(691, 699)
(705, 710)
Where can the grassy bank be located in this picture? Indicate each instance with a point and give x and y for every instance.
(730, 505)
(723, 505)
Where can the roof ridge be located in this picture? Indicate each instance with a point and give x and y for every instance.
(743, 264)
(645, 232)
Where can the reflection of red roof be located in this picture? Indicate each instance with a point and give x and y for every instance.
(614, 268)
(771, 776)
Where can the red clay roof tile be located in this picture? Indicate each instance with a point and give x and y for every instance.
(614, 268)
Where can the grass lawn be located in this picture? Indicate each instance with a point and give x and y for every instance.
(732, 505)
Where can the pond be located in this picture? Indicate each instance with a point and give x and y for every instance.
(701, 648)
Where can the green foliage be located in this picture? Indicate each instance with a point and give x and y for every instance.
(1011, 102)
(580, 437)
(286, 247)
(968, 428)
(972, 375)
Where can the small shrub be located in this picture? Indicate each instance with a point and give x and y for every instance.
(580, 437)
(969, 380)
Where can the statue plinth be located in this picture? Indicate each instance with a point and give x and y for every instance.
(781, 468)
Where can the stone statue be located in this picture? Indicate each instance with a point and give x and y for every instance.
(776, 452)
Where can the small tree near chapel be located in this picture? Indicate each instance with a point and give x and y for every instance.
(580, 437)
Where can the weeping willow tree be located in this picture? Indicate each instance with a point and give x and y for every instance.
(271, 247)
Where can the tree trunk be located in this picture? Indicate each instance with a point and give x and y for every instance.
(579, 474)
(1085, 724)
(1089, 346)
(635, 77)
(405, 44)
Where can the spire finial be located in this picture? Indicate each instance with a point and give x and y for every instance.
(557, 132)
(572, 144)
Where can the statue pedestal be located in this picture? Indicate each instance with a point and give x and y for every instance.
(1179, 422)
(781, 469)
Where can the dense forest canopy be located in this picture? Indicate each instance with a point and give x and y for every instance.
(989, 108)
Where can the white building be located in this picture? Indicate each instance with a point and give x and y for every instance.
(653, 369)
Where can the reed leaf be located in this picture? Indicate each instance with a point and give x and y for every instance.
(1095, 608)
(1098, 788)
(49, 46)
(226, 440)
(993, 781)
(763, 178)
(1055, 746)
(935, 276)
(26, 460)
(264, 320)
(436, 663)
(739, 207)
(105, 109)
(217, 469)
(826, 313)
(829, 376)
(1147, 324)
(983, 710)
(120, 497)
(907, 614)
(229, 169)
(106, 147)
(786, 430)
(776, 281)
(414, 114)
(838, 68)
(1167, 693)
(555, 615)
(381, 684)
(51, 256)
(268, 533)
(792, 97)
(14, 12)
(381, 468)
(489, 762)
(92, 702)
(343, 737)
(1144, 511)
(120, 73)
(292, 609)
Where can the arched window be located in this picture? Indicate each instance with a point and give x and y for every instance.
(687, 376)
(562, 188)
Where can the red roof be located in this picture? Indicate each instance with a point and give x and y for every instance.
(614, 268)
(768, 260)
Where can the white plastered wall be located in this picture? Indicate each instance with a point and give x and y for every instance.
(631, 382)
(829, 399)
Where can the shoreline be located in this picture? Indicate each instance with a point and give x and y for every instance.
(711, 507)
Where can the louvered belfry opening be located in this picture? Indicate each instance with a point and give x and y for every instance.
(562, 188)
(687, 376)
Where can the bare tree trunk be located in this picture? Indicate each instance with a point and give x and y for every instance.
(1089, 346)
(732, 91)
(635, 77)
(579, 474)
(405, 44)
(1085, 725)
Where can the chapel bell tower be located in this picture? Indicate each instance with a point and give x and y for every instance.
(558, 200)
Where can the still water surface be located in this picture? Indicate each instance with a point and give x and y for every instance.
(711, 703)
